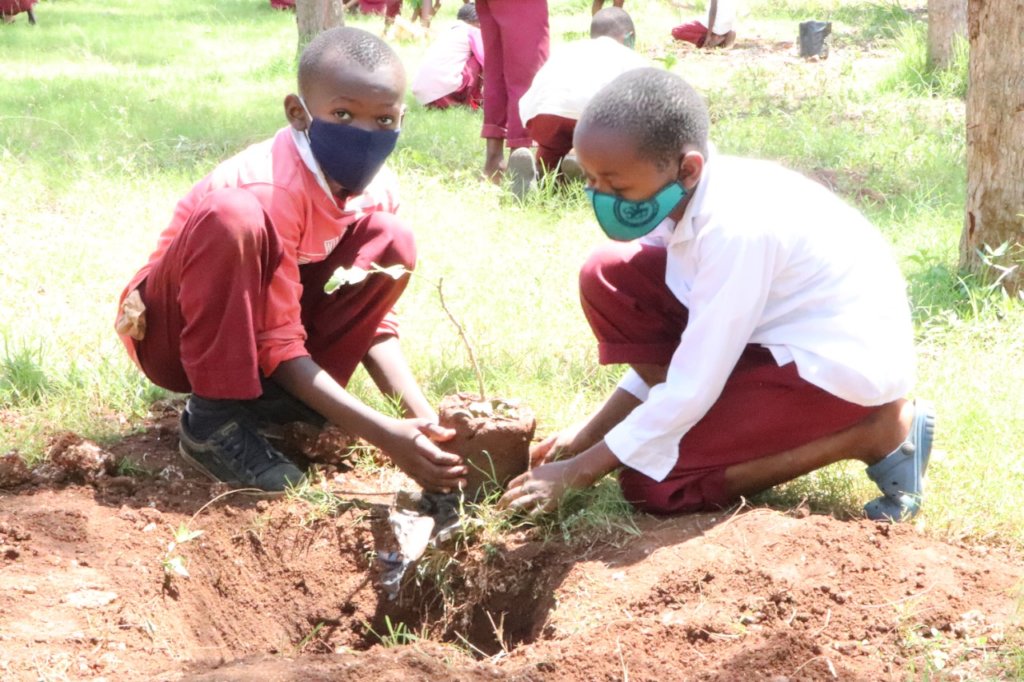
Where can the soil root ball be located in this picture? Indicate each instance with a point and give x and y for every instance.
(492, 436)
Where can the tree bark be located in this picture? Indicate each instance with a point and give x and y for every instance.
(995, 142)
(314, 16)
(947, 20)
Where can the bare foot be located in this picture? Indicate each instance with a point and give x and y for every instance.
(724, 40)
(494, 162)
(889, 428)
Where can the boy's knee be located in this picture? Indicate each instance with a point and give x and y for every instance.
(398, 242)
(233, 213)
(686, 494)
(603, 268)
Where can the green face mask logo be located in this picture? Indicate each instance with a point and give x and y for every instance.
(625, 220)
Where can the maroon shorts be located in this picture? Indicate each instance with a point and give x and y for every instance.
(9, 8)
(764, 409)
(553, 135)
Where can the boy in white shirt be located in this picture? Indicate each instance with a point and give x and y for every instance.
(717, 30)
(562, 88)
(451, 72)
(764, 320)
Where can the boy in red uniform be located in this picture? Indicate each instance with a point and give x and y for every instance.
(764, 321)
(231, 306)
(516, 43)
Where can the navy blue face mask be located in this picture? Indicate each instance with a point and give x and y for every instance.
(349, 155)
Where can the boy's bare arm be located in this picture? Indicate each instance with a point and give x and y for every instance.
(410, 443)
(386, 364)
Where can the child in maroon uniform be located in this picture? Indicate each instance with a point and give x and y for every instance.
(231, 306)
(764, 322)
(450, 73)
(516, 43)
(10, 8)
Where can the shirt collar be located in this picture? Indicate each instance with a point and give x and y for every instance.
(306, 154)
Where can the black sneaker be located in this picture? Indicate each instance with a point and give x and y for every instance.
(279, 407)
(238, 455)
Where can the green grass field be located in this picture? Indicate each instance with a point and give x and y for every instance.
(109, 111)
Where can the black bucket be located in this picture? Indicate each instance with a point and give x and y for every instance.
(812, 38)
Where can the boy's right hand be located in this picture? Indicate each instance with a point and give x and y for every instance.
(413, 450)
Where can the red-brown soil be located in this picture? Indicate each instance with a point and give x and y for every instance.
(282, 590)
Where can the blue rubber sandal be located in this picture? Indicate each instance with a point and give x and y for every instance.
(900, 476)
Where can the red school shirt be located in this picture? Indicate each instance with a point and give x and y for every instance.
(309, 225)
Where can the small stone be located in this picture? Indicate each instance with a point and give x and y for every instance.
(89, 599)
(13, 470)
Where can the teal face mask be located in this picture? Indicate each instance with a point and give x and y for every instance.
(625, 220)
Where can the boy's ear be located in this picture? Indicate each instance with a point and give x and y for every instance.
(295, 113)
(691, 167)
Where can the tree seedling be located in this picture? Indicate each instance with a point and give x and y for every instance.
(174, 564)
(355, 274)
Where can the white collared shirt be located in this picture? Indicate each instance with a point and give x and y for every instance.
(764, 255)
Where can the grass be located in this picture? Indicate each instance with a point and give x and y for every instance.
(103, 128)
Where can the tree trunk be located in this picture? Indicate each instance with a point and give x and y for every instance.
(947, 20)
(995, 142)
(314, 16)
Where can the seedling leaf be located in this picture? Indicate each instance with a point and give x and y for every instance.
(343, 276)
(183, 534)
(176, 565)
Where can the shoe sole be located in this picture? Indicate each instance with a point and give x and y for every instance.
(236, 486)
(522, 172)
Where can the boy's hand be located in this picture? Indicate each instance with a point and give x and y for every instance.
(561, 445)
(552, 449)
(414, 451)
(540, 489)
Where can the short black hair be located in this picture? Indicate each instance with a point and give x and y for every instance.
(613, 22)
(467, 13)
(344, 43)
(658, 109)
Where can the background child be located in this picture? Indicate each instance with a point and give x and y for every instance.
(598, 4)
(765, 322)
(451, 72)
(11, 8)
(516, 42)
(721, 20)
(562, 88)
(231, 306)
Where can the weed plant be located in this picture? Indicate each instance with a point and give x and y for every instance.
(111, 111)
